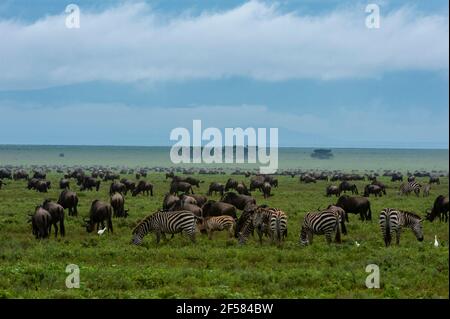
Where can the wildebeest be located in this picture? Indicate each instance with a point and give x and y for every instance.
(333, 190)
(396, 177)
(242, 189)
(355, 205)
(170, 175)
(231, 184)
(57, 213)
(271, 180)
(118, 204)
(373, 189)
(213, 208)
(346, 186)
(169, 201)
(64, 184)
(20, 174)
(434, 179)
(42, 186)
(109, 176)
(440, 209)
(39, 175)
(98, 214)
(256, 182)
(193, 181)
(186, 206)
(201, 199)
(238, 200)
(266, 189)
(5, 173)
(88, 183)
(381, 185)
(41, 223)
(307, 179)
(69, 200)
(188, 199)
(216, 187)
(117, 187)
(184, 187)
(143, 187)
(130, 185)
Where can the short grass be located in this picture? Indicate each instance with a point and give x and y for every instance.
(112, 268)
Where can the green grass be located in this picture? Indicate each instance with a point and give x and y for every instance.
(112, 268)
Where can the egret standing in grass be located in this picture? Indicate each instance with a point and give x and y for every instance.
(436, 243)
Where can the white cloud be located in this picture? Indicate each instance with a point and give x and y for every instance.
(117, 124)
(133, 43)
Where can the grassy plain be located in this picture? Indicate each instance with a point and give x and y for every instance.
(112, 268)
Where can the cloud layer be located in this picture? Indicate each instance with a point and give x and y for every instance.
(133, 43)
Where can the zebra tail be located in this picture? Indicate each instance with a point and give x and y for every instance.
(387, 235)
(338, 231)
(278, 230)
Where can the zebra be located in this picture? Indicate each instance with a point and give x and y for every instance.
(246, 229)
(407, 188)
(271, 222)
(426, 190)
(320, 223)
(163, 222)
(219, 223)
(278, 225)
(392, 220)
(267, 221)
(338, 211)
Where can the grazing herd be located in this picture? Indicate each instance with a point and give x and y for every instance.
(237, 213)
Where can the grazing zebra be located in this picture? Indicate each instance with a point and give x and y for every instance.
(163, 222)
(219, 223)
(320, 223)
(392, 220)
(407, 188)
(267, 221)
(246, 229)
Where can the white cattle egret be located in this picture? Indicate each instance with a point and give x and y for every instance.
(101, 231)
(357, 244)
(436, 243)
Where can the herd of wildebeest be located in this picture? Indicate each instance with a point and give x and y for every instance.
(185, 211)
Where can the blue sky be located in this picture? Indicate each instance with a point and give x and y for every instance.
(135, 70)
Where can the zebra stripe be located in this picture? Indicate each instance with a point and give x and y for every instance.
(320, 223)
(219, 223)
(278, 225)
(407, 188)
(271, 222)
(246, 230)
(163, 222)
(393, 220)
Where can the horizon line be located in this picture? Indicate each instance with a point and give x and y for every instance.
(282, 147)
